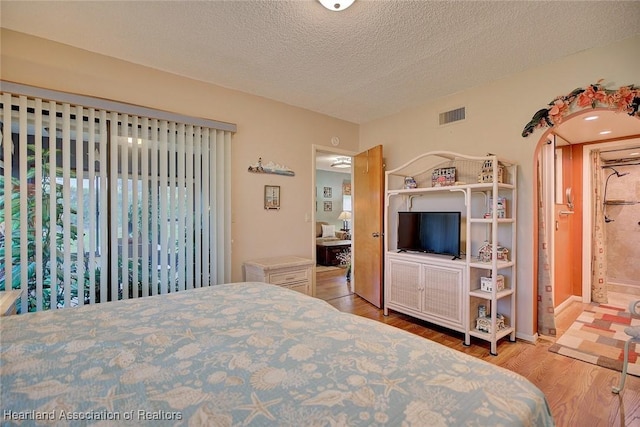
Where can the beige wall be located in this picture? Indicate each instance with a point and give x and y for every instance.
(272, 130)
(496, 114)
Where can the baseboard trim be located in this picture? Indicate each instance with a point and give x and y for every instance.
(566, 304)
(624, 288)
(526, 337)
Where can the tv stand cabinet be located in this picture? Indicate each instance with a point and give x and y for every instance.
(476, 293)
(428, 287)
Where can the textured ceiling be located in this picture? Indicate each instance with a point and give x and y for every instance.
(374, 59)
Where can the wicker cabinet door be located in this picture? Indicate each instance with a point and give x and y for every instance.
(404, 284)
(443, 292)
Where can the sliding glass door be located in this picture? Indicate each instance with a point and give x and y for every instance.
(98, 206)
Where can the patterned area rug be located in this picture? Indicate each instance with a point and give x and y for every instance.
(597, 336)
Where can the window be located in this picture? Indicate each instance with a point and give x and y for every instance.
(98, 205)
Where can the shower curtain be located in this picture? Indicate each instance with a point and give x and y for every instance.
(546, 316)
(598, 241)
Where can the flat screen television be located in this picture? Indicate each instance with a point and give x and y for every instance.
(429, 232)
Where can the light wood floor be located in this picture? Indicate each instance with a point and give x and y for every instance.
(579, 393)
(332, 284)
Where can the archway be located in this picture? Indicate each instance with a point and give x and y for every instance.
(556, 117)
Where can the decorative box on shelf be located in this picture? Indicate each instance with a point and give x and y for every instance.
(486, 284)
(486, 174)
(483, 324)
(443, 177)
(484, 253)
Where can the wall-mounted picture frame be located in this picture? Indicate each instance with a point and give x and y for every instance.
(272, 197)
(328, 206)
(327, 192)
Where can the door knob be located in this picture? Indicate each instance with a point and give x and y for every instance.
(375, 234)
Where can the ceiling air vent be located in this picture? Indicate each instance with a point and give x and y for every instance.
(452, 116)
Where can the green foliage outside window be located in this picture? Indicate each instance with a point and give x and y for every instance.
(52, 226)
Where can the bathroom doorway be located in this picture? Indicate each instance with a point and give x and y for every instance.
(618, 164)
(614, 137)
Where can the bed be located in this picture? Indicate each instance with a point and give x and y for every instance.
(245, 354)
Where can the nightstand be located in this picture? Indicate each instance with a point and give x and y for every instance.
(291, 272)
(8, 301)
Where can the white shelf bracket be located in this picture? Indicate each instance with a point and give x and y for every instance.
(462, 191)
(410, 203)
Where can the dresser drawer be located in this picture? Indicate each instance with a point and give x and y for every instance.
(285, 277)
(300, 287)
(289, 271)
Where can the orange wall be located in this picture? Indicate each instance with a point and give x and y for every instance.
(568, 276)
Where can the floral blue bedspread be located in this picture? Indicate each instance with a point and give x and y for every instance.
(245, 354)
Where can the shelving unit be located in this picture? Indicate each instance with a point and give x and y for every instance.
(448, 291)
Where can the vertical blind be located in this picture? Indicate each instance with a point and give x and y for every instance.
(101, 205)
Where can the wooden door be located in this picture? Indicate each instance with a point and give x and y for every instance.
(368, 205)
(566, 252)
(563, 255)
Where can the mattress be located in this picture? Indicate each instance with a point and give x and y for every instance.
(245, 354)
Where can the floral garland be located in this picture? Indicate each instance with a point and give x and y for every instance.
(625, 99)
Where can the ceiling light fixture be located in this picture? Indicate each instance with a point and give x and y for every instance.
(341, 162)
(336, 5)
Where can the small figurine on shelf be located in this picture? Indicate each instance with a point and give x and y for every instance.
(443, 177)
(486, 174)
(484, 253)
(502, 253)
(409, 182)
(486, 283)
(482, 311)
(501, 211)
(483, 324)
